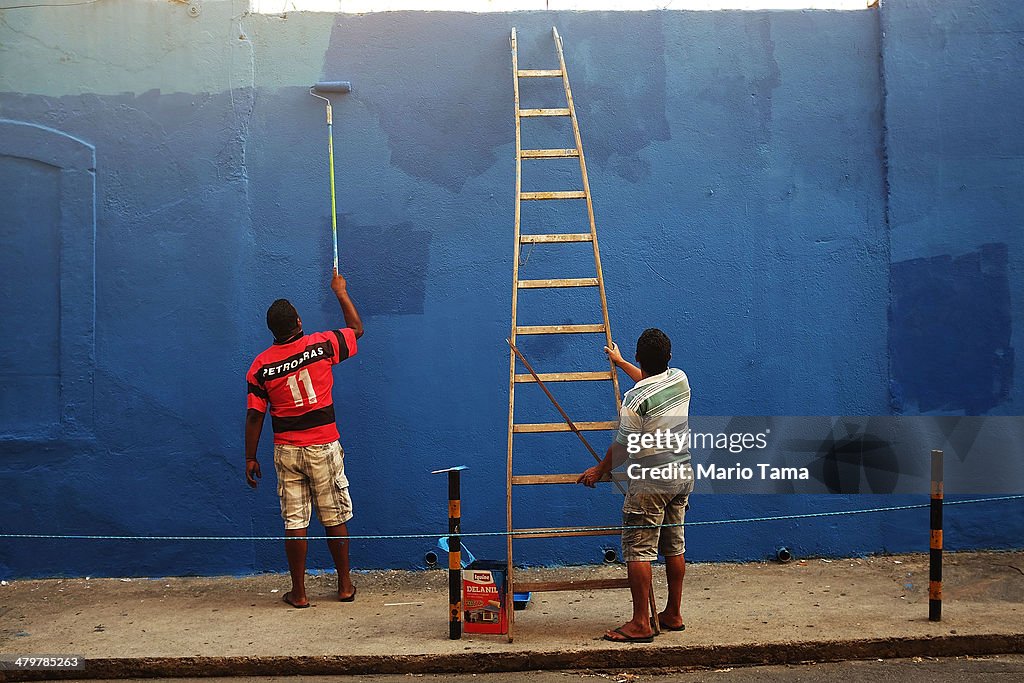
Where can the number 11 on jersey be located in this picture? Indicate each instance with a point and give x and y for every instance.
(307, 383)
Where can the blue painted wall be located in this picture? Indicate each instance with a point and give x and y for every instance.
(772, 188)
(954, 107)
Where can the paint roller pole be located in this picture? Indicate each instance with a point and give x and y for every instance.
(454, 551)
(334, 203)
(935, 552)
(331, 87)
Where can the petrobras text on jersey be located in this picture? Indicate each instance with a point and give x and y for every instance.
(313, 353)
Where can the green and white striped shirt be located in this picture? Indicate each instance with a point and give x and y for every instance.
(653, 419)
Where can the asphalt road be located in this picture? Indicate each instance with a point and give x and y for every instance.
(1002, 669)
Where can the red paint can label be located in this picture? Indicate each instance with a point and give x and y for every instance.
(483, 601)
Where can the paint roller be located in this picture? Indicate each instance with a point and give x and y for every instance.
(331, 88)
(339, 87)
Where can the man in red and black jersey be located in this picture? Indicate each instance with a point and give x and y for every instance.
(293, 379)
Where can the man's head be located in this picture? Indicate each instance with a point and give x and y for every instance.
(283, 320)
(653, 351)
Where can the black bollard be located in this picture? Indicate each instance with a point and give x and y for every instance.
(454, 551)
(935, 545)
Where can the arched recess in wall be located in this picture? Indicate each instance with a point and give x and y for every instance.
(48, 290)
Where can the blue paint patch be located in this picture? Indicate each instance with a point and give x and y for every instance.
(387, 266)
(621, 107)
(49, 228)
(30, 263)
(443, 97)
(950, 328)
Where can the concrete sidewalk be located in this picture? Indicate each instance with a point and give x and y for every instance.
(735, 614)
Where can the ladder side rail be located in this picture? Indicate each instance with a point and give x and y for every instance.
(510, 569)
(590, 214)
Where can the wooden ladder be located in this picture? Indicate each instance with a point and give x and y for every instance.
(602, 327)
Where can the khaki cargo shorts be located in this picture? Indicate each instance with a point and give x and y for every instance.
(644, 507)
(308, 475)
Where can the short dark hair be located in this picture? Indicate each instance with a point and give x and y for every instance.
(653, 351)
(282, 319)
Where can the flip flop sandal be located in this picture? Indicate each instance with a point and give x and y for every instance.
(681, 627)
(626, 638)
(287, 598)
(351, 598)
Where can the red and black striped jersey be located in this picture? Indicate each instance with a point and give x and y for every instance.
(295, 380)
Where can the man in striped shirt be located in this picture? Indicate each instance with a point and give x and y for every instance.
(653, 438)
(294, 379)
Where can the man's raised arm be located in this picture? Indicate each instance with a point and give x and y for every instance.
(348, 309)
(615, 356)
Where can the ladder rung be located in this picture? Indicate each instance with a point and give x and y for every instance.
(581, 585)
(533, 479)
(559, 329)
(544, 112)
(563, 237)
(548, 153)
(540, 73)
(566, 377)
(559, 531)
(572, 194)
(567, 282)
(528, 428)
